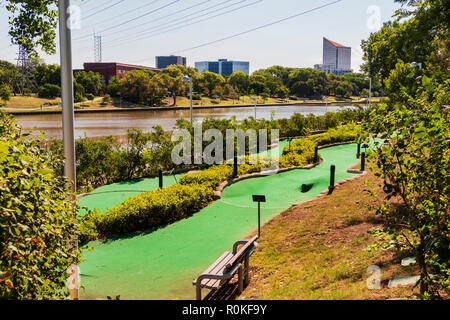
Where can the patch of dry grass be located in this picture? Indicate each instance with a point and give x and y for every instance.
(319, 250)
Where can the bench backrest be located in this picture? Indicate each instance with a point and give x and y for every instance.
(241, 253)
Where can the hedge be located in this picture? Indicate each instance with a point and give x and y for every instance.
(148, 210)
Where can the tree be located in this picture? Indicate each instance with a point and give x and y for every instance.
(239, 81)
(171, 78)
(282, 92)
(49, 91)
(412, 40)
(414, 163)
(143, 87)
(33, 24)
(47, 74)
(402, 83)
(113, 87)
(208, 81)
(90, 81)
(5, 93)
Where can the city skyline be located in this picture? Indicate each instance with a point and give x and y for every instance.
(280, 44)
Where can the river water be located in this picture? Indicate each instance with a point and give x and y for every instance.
(117, 123)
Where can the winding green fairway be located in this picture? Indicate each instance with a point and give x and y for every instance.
(162, 263)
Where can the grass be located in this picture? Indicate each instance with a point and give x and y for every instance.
(320, 250)
(185, 102)
(29, 102)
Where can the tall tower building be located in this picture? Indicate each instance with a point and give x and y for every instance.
(337, 58)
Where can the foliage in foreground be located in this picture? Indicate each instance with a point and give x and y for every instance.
(414, 166)
(36, 220)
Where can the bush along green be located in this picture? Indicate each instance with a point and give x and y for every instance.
(36, 220)
(301, 151)
(149, 210)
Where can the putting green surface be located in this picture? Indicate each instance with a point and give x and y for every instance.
(112, 195)
(162, 263)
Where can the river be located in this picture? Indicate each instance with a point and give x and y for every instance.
(117, 123)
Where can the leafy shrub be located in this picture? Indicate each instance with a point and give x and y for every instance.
(152, 209)
(106, 99)
(341, 134)
(90, 96)
(211, 177)
(36, 220)
(49, 91)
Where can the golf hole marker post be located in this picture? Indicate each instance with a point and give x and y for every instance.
(259, 199)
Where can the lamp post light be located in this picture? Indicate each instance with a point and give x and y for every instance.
(186, 78)
(370, 90)
(254, 99)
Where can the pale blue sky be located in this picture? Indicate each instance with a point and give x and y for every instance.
(294, 43)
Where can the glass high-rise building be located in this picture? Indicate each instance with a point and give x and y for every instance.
(337, 58)
(165, 61)
(223, 67)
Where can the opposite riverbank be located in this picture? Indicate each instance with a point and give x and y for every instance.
(141, 109)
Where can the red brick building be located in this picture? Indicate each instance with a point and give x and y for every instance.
(113, 69)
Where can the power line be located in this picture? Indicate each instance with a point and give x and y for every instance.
(196, 22)
(260, 27)
(183, 19)
(134, 19)
(125, 13)
(169, 15)
(104, 9)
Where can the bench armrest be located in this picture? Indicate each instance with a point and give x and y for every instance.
(225, 276)
(243, 242)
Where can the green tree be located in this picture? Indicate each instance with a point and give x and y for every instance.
(49, 91)
(414, 160)
(33, 24)
(91, 81)
(239, 81)
(5, 94)
(208, 81)
(171, 80)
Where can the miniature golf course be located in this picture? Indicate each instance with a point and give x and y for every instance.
(161, 264)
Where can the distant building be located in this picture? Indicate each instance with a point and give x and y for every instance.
(223, 66)
(165, 61)
(337, 58)
(108, 70)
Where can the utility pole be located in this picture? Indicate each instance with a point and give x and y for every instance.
(67, 102)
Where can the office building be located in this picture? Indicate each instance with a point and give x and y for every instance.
(223, 67)
(108, 70)
(165, 61)
(337, 58)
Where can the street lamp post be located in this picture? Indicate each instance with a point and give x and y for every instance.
(67, 101)
(186, 78)
(370, 90)
(254, 99)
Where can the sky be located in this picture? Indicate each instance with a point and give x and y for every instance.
(135, 31)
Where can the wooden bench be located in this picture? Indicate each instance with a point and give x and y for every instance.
(226, 267)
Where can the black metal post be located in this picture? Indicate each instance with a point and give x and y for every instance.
(358, 154)
(235, 167)
(363, 161)
(259, 219)
(316, 155)
(160, 174)
(332, 176)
